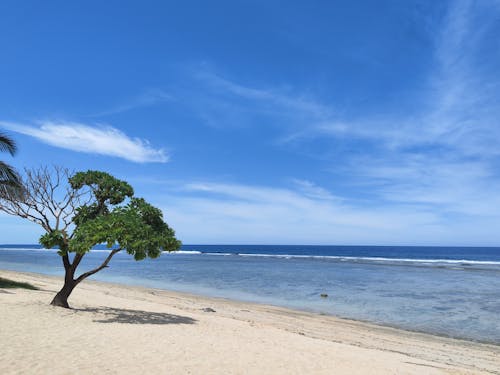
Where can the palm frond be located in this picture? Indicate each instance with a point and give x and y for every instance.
(7, 144)
(11, 184)
(8, 174)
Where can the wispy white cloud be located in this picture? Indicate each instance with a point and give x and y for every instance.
(458, 102)
(444, 152)
(312, 190)
(223, 103)
(280, 100)
(145, 99)
(207, 212)
(261, 214)
(431, 175)
(448, 186)
(447, 156)
(103, 140)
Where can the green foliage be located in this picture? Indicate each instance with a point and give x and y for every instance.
(135, 226)
(105, 187)
(106, 190)
(52, 239)
(6, 283)
(56, 238)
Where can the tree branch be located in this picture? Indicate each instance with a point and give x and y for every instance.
(95, 270)
(41, 201)
(76, 261)
(65, 259)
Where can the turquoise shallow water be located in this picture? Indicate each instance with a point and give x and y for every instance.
(447, 291)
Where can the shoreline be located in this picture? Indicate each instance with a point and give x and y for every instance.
(311, 311)
(451, 301)
(320, 339)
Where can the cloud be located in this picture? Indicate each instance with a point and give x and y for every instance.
(207, 212)
(460, 108)
(103, 140)
(447, 185)
(311, 190)
(442, 154)
(282, 102)
(235, 212)
(457, 107)
(426, 177)
(147, 98)
(225, 104)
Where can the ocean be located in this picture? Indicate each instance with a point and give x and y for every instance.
(450, 291)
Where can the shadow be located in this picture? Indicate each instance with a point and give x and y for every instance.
(112, 315)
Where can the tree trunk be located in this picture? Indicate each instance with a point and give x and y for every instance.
(61, 298)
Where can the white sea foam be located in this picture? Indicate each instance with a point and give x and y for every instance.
(375, 259)
(340, 258)
(185, 252)
(26, 248)
(221, 254)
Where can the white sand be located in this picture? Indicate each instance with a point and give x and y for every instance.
(128, 330)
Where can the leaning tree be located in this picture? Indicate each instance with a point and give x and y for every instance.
(79, 211)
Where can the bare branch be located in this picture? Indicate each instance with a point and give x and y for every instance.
(43, 200)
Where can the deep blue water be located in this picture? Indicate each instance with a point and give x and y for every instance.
(443, 290)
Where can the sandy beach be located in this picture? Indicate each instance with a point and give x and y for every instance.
(120, 329)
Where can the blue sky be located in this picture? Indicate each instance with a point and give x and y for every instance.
(267, 122)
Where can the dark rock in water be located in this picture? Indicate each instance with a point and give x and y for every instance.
(208, 309)
(323, 295)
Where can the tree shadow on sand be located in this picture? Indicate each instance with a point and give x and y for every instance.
(112, 315)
